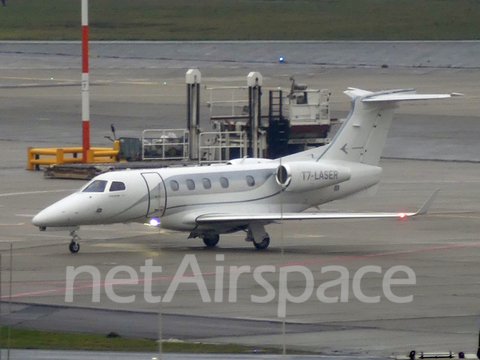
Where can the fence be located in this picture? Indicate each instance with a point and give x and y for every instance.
(165, 144)
(216, 147)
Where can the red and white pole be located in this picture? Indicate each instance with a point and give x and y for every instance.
(85, 83)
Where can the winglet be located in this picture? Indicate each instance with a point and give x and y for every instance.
(424, 209)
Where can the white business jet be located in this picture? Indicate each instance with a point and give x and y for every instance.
(245, 194)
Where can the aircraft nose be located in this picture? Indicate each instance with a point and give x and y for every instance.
(58, 214)
(44, 218)
(38, 220)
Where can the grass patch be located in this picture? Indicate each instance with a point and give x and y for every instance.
(243, 20)
(34, 339)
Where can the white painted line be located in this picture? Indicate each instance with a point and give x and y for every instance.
(312, 236)
(433, 182)
(47, 236)
(36, 192)
(273, 320)
(168, 42)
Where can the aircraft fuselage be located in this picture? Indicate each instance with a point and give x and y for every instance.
(176, 196)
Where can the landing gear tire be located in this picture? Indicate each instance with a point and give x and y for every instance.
(74, 247)
(263, 244)
(211, 241)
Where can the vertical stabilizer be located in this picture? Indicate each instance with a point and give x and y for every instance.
(363, 134)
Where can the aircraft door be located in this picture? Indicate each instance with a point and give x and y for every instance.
(156, 194)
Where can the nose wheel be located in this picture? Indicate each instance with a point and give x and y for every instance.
(74, 246)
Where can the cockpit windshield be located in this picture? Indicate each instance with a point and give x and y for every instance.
(97, 186)
(117, 186)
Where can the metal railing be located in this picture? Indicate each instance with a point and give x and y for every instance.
(161, 144)
(238, 97)
(217, 147)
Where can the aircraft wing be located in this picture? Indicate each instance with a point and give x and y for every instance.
(270, 217)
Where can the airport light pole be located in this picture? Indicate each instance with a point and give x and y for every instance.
(282, 244)
(85, 84)
(0, 306)
(10, 303)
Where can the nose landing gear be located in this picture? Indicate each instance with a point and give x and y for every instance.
(74, 246)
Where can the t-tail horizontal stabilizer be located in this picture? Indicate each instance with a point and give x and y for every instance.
(394, 95)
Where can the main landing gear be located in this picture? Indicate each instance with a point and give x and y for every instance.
(256, 233)
(211, 240)
(74, 246)
(262, 245)
(259, 245)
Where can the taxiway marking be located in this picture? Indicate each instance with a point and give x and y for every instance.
(36, 192)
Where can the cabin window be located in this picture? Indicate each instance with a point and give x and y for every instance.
(224, 182)
(250, 180)
(117, 186)
(96, 186)
(207, 184)
(190, 184)
(174, 185)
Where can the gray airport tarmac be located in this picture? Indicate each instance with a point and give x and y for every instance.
(40, 106)
(111, 355)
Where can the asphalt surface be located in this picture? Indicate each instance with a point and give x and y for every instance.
(138, 86)
(95, 355)
(145, 325)
(40, 102)
(178, 54)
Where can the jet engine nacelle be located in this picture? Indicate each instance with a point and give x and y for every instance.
(310, 175)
